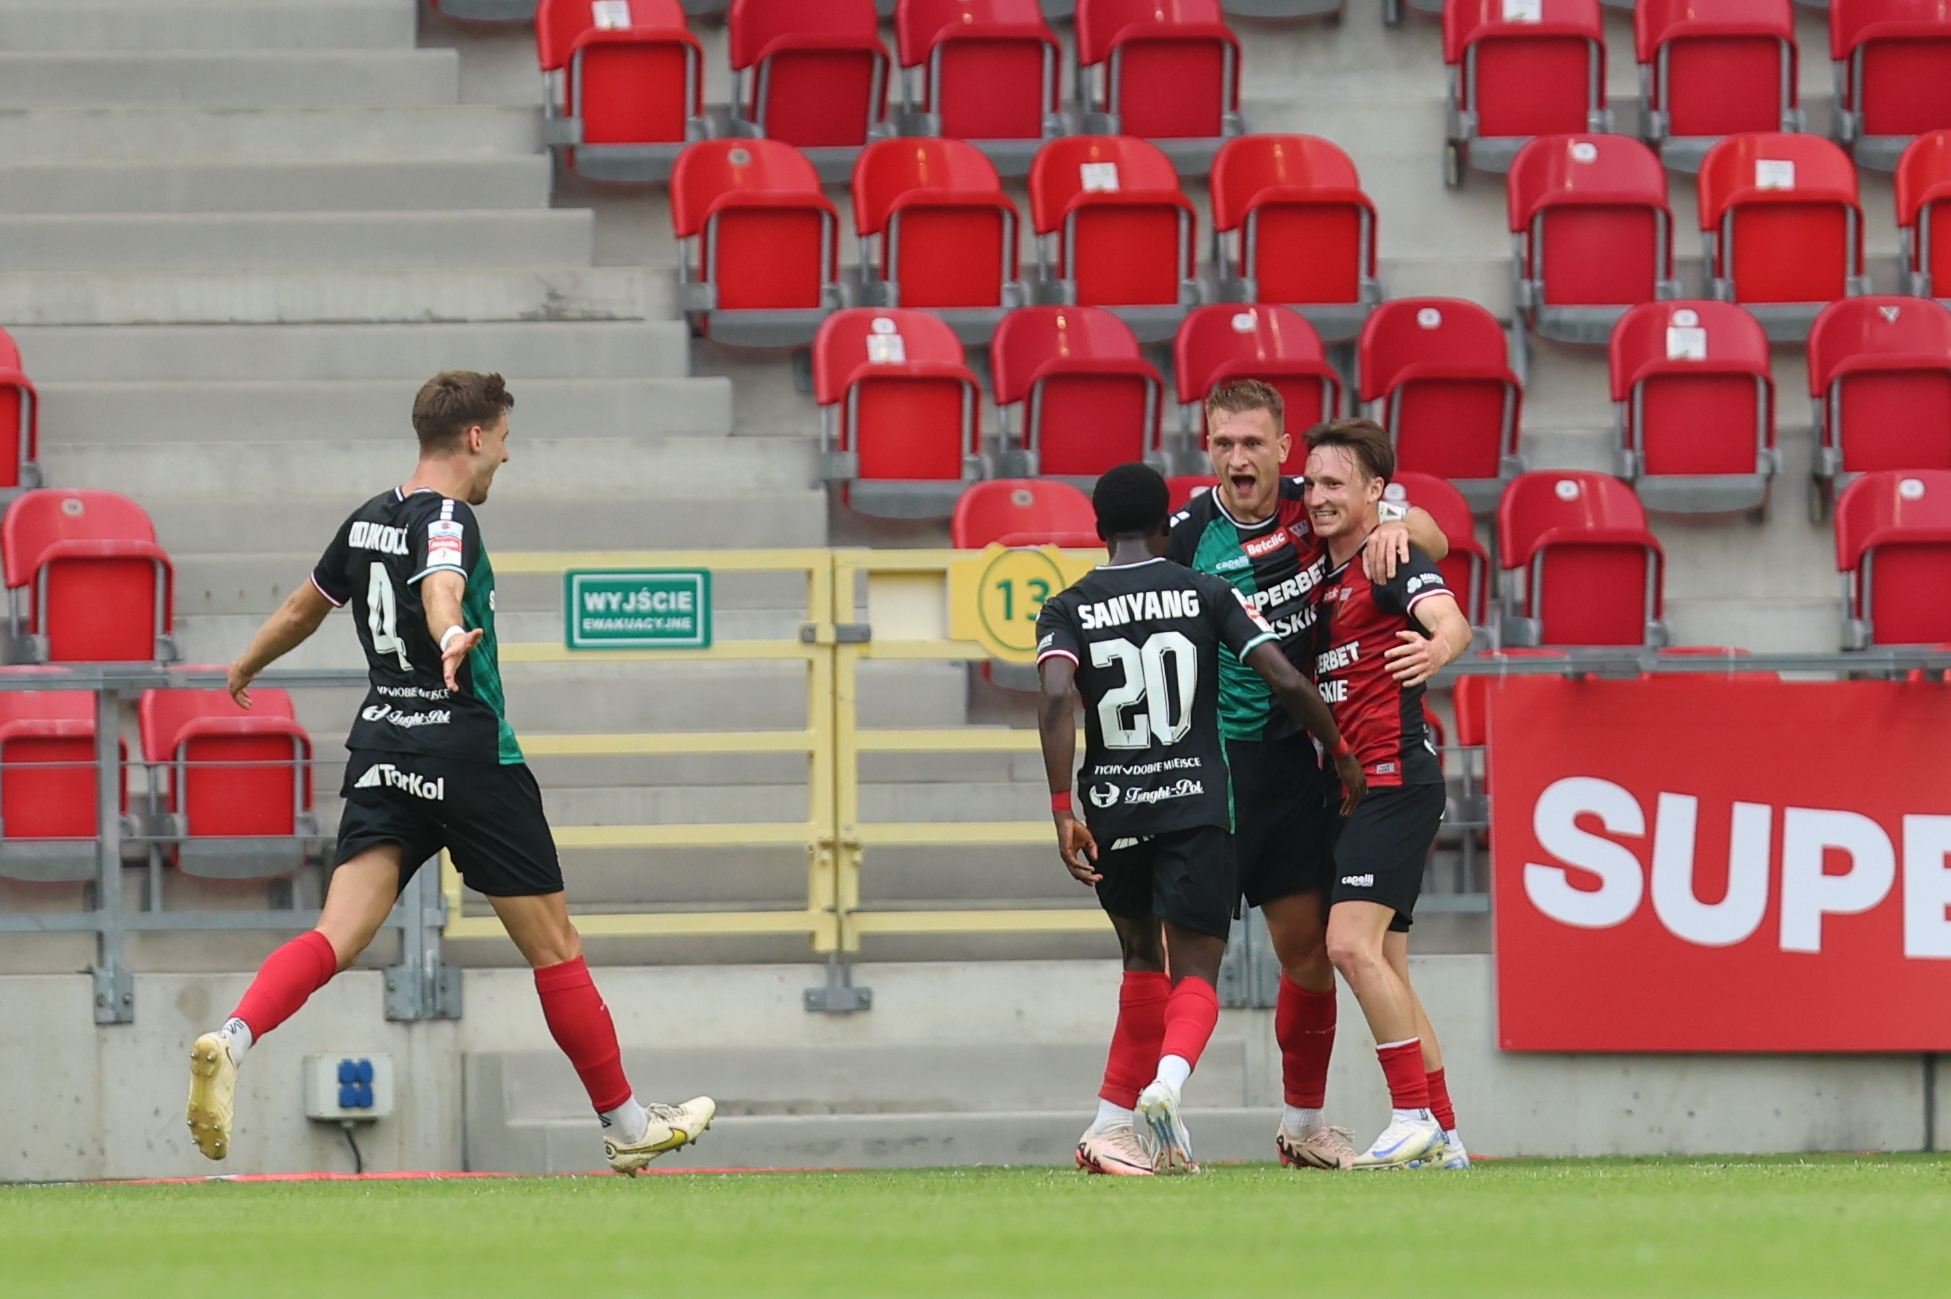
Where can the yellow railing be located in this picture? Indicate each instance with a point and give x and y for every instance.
(906, 618)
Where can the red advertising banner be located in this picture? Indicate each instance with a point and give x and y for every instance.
(1704, 863)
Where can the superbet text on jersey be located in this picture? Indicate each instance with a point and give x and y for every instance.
(1146, 639)
(1380, 718)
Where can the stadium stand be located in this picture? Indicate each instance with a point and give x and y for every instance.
(1880, 375)
(900, 427)
(1518, 69)
(1783, 227)
(1168, 73)
(1580, 566)
(1694, 407)
(486, 11)
(1186, 486)
(1023, 512)
(1711, 68)
(623, 86)
(812, 76)
(937, 231)
(1893, 75)
(1075, 393)
(86, 581)
(1291, 225)
(1283, 8)
(20, 420)
(1923, 182)
(48, 787)
(1591, 233)
(760, 262)
(1466, 569)
(1435, 373)
(985, 71)
(1893, 548)
(1114, 230)
(1275, 344)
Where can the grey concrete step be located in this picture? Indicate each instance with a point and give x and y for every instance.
(97, 25)
(356, 186)
(275, 241)
(286, 134)
(228, 78)
(546, 349)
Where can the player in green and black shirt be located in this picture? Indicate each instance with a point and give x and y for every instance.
(1253, 531)
(434, 766)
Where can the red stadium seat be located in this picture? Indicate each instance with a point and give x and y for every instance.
(1186, 486)
(1076, 395)
(1783, 228)
(1923, 187)
(1114, 230)
(1237, 341)
(48, 786)
(20, 420)
(1709, 68)
(1167, 71)
(1520, 68)
(985, 71)
(1591, 233)
(1436, 374)
(239, 785)
(810, 75)
(1893, 548)
(623, 86)
(899, 427)
(1893, 74)
(1580, 567)
(760, 259)
(86, 580)
(1292, 225)
(937, 232)
(1694, 407)
(1024, 512)
(1467, 567)
(1880, 375)
(1471, 699)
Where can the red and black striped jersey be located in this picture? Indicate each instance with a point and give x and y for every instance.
(1358, 623)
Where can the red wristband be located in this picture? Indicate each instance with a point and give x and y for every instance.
(1060, 802)
(1340, 748)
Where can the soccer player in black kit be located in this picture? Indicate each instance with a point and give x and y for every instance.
(1139, 639)
(434, 764)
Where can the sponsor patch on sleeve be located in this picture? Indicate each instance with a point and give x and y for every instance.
(444, 543)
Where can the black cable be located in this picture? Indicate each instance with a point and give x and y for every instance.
(358, 1160)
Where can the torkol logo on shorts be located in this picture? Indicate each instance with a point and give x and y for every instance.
(385, 773)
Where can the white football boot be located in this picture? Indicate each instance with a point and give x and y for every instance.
(213, 1093)
(671, 1126)
(1447, 1155)
(1171, 1143)
(1402, 1143)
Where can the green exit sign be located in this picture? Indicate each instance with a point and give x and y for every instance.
(660, 609)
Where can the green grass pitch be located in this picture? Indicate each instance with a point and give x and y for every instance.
(1817, 1225)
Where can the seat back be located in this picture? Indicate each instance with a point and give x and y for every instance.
(1591, 216)
(1785, 217)
(1526, 69)
(1715, 67)
(1089, 398)
(94, 581)
(820, 72)
(1896, 60)
(633, 71)
(1881, 367)
(1893, 542)
(1022, 512)
(1121, 228)
(767, 235)
(1273, 344)
(1170, 67)
(1592, 569)
(1923, 188)
(1466, 569)
(1438, 371)
(1307, 231)
(48, 787)
(905, 400)
(948, 231)
(1693, 387)
(991, 65)
(1471, 696)
(20, 415)
(232, 772)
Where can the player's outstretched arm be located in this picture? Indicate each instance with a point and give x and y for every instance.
(440, 594)
(284, 631)
(1389, 545)
(1305, 705)
(1420, 657)
(1056, 725)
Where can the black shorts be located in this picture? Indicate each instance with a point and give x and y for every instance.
(1382, 849)
(1185, 876)
(486, 814)
(1281, 830)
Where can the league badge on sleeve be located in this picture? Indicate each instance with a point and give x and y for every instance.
(444, 543)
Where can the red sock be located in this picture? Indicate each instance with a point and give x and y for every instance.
(1134, 1043)
(1191, 1014)
(287, 977)
(1402, 1065)
(1439, 1099)
(1304, 1026)
(581, 1026)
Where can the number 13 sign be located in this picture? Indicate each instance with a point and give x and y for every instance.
(996, 595)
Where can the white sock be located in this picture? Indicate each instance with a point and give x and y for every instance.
(1414, 1116)
(1298, 1121)
(1449, 1135)
(240, 1038)
(1173, 1071)
(1111, 1115)
(627, 1123)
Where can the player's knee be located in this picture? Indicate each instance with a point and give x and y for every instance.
(1352, 955)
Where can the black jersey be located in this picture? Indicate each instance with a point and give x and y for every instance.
(1146, 639)
(376, 562)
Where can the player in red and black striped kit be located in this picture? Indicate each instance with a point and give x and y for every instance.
(1377, 643)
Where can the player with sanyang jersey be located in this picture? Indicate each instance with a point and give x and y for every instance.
(1378, 644)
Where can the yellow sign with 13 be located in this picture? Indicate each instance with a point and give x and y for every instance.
(995, 595)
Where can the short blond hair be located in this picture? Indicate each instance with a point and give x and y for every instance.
(1238, 396)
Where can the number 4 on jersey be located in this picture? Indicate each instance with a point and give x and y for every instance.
(383, 616)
